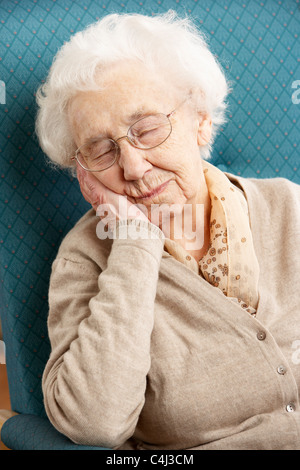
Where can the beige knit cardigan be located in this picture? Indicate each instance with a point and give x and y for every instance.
(146, 354)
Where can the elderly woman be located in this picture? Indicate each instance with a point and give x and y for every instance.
(174, 307)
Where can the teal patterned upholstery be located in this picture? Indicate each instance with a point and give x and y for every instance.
(30, 432)
(258, 44)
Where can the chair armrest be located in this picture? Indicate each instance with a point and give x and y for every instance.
(4, 416)
(31, 432)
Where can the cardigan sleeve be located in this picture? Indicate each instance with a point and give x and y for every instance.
(100, 325)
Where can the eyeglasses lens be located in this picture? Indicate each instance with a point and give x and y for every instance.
(147, 133)
(150, 131)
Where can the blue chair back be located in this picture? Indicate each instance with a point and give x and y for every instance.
(258, 45)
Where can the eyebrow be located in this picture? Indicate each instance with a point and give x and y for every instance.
(138, 114)
(94, 139)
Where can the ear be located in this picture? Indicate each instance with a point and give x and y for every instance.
(204, 130)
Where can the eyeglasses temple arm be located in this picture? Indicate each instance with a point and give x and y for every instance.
(174, 110)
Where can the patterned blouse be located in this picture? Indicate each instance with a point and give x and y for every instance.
(230, 262)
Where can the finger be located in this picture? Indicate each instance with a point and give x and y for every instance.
(90, 187)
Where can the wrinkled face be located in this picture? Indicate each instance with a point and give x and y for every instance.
(170, 173)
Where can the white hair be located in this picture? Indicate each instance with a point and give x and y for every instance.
(168, 44)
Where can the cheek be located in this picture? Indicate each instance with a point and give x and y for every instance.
(168, 156)
(112, 179)
(180, 156)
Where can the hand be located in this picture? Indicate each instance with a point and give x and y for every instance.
(106, 202)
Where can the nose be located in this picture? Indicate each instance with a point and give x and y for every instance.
(133, 161)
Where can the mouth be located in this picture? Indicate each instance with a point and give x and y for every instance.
(154, 192)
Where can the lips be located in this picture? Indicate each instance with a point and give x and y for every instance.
(154, 192)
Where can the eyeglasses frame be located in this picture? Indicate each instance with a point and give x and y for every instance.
(115, 141)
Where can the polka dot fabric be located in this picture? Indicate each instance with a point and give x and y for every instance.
(230, 263)
(257, 43)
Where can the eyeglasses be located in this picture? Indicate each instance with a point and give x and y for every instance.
(147, 133)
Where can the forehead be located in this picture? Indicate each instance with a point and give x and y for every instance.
(127, 92)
